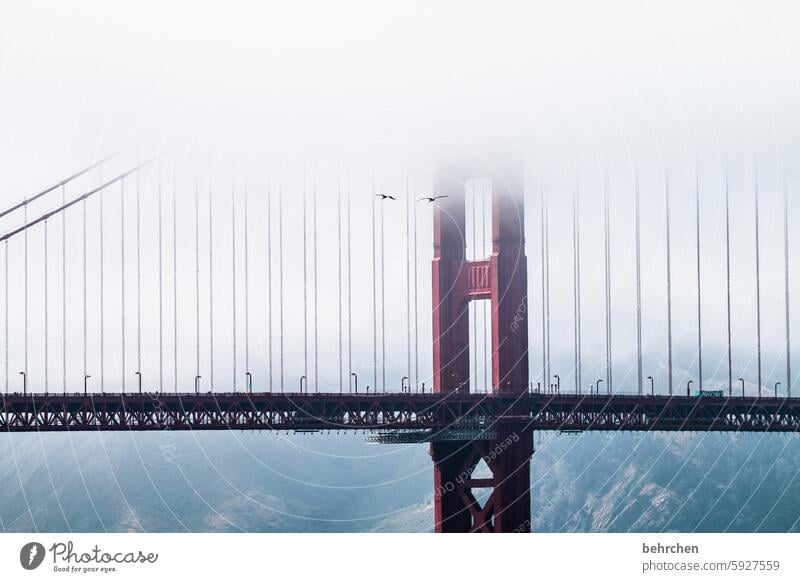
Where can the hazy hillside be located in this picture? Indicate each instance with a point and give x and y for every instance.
(266, 482)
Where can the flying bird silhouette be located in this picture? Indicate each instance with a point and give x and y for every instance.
(432, 198)
(385, 196)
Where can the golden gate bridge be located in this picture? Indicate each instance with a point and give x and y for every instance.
(461, 424)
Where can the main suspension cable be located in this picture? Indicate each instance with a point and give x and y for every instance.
(60, 184)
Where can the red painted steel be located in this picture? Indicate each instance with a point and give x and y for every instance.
(502, 278)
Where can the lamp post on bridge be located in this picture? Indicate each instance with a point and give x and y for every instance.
(598, 385)
(302, 379)
(558, 383)
(776, 388)
(249, 376)
(355, 379)
(139, 379)
(403, 385)
(742, 381)
(688, 387)
(86, 383)
(197, 384)
(24, 382)
(652, 386)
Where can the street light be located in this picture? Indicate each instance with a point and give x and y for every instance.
(742, 381)
(355, 377)
(688, 387)
(249, 382)
(197, 384)
(776, 388)
(86, 383)
(558, 383)
(302, 378)
(598, 385)
(139, 375)
(24, 382)
(652, 386)
(403, 385)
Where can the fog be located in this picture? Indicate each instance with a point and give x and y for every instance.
(258, 99)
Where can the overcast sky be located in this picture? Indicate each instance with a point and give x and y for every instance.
(258, 96)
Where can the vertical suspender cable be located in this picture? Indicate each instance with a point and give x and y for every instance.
(26, 288)
(83, 228)
(408, 285)
(102, 294)
(122, 273)
(383, 305)
(339, 256)
(575, 300)
(486, 324)
(138, 277)
(280, 275)
(547, 277)
(160, 287)
(578, 269)
(699, 296)
(416, 303)
(305, 282)
(786, 285)
(5, 299)
(374, 296)
(758, 278)
(269, 285)
(349, 293)
(545, 379)
(46, 318)
(233, 277)
(210, 287)
(472, 306)
(316, 292)
(638, 285)
(728, 279)
(246, 236)
(609, 386)
(63, 293)
(669, 287)
(197, 274)
(174, 282)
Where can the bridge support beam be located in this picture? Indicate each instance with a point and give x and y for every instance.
(502, 279)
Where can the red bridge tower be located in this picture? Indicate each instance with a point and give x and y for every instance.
(507, 446)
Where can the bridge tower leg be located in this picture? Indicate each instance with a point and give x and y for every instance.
(502, 279)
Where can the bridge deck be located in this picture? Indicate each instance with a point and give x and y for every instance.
(393, 412)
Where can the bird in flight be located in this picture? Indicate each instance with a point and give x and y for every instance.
(385, 196)
(432, 198)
